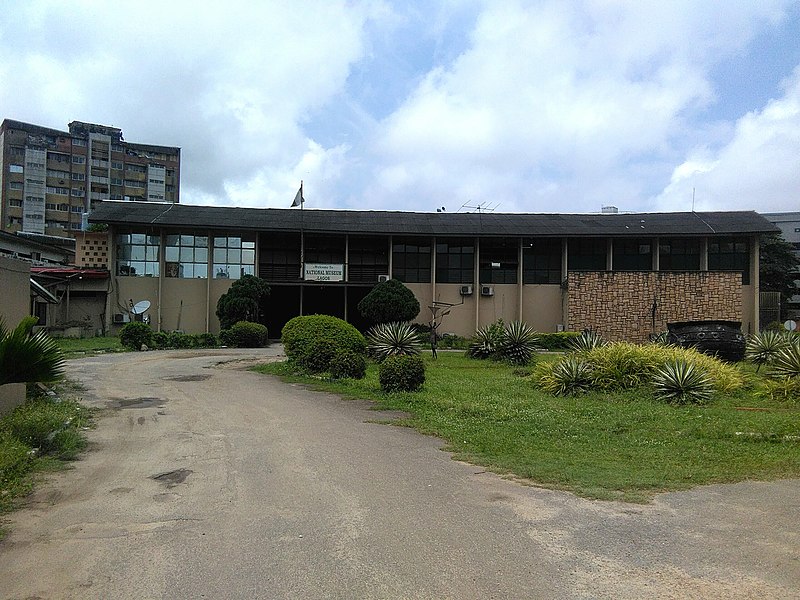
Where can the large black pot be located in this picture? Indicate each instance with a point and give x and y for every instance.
(722, 339)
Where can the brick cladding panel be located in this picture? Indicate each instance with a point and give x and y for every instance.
(619, 305)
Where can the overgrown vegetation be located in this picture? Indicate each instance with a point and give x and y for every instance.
(32, 436)
(602, 444)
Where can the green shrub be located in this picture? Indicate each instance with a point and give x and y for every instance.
(487, 340)
(160, 340)
(518, 344)
(786, 389)
(557, 341)
(762, 348)
(136, 334)
(303, 336)
(449, 341)
(206, 340)
(587, 340)
(402, 374)
(245, 334)
(245, 300)
(393, 339)
(787, 361)
(388, 302)
(682, 382)
(347, 364)
(568, 377)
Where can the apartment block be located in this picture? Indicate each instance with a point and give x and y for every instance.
(51, 178)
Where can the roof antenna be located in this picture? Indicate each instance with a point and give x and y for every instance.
(693, 199)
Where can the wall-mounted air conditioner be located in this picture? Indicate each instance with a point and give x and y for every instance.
(382, 278)
(120, 318)
(487, 290)
(466, 290)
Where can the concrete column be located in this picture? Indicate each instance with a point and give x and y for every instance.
(519, 278)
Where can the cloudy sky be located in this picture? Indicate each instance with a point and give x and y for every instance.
(535, 106)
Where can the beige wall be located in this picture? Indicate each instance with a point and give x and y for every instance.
(218, 287)
(125, 289)
(184, 303)
(14, 305)
(542, 307)
(749, 310)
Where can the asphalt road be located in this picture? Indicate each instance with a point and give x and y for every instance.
(205, 480)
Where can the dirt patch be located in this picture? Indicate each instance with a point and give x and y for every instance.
(172, 478)
(188, 378)
(143, 402)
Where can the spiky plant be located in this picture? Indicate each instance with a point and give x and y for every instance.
(570, 376)
(588, 340)
(661, 338)
(486, 341)
(681, 382)
(393, 339)
(519, 343)
(27, 357)
(787, 361)
(762, 348)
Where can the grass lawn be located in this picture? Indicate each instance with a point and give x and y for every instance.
(73, 347)
(623, 446)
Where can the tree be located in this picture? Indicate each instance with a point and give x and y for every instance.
(27, 357)
(389, 301)
(244, 301)
(778, 266)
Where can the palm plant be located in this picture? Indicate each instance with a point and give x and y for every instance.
(518, 344)
(486, 341)
(26, 357)
(762, 348)
(393, 339)
(588, 340)
(682, 382)
(570, 376)
(787, 361)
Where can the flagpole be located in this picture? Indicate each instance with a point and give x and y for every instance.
(302, 240)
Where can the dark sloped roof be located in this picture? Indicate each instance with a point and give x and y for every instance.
(449, 224)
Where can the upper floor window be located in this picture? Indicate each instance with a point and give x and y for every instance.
(234, 256)
(679, 254)
(186, 256)
(541, 260)
(138, 254)
(730, 254)
(368, 258)
(632, 254)
(499, 260)
(455, 260)
(587, 254)
(411, 259)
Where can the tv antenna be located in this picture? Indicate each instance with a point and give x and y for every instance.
(480, 207)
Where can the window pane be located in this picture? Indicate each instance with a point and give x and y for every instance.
(201, 255)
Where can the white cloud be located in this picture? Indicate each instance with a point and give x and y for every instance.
(759, 169)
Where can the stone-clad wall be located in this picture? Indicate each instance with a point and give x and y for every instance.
(619, 305)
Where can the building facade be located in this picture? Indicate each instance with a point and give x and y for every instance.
(624, 275)
(50, 178)
(789, 224)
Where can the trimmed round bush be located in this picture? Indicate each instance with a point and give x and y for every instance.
(245, 334)
(402, 373)
(312, 341)
(135, 334)
(346, 364)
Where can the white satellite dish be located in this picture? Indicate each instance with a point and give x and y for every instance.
(140, 307)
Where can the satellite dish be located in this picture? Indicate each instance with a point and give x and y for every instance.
(140, 307)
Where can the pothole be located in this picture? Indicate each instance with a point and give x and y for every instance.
(172, 478)
(144, 402)
(188, 378)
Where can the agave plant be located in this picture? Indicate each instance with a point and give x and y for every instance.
(660, 339)
(393, 339)
(518, 344)
(787, 361)
(571, 376)
(588, 340)
(26, 357)
(762, 348)
(682, 382)
(486, 341)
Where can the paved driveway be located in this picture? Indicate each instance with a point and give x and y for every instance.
(209, 481)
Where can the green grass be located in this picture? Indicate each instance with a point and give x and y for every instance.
(73, 347)
(621, 446)
(51, 426)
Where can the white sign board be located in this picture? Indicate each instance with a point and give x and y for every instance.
(324, 272)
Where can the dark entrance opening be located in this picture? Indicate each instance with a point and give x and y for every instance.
(354, 296)
(283, 304)
(323, 300)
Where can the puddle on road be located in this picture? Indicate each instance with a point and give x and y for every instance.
(144, 402)
(172, 478)
(188, 378)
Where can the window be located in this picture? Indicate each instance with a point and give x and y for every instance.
(632, 255)
(54, 156)
(730, 254)
(155, 197)
(15, 169)
(368, 257)
(58, 174)
(78, 160)
(135, 184)
(116, 181)
(117, 197)
(15, 202)
(411, 259)
(17, 151)
(234, 256)
(34, 165)
(78, 177)
(186, 256)
(64, 207)
(135, 168)
(60, 191)
(586, 254)
(279, 257)
(15, 185)
(499, 260)
(78, 142)
(76, 209)
(137, 254)
(679, 254)
(541, 261)
(78, 193)
(117, 148)
(455, 260)
(50, 206)
(117, 164)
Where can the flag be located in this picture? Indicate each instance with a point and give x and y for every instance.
(298, 199)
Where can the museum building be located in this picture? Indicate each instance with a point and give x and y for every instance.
(625, 275)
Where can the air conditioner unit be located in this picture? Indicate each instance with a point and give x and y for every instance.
(487, 290)
(120, 318)
(466, 290)
(382, 278)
